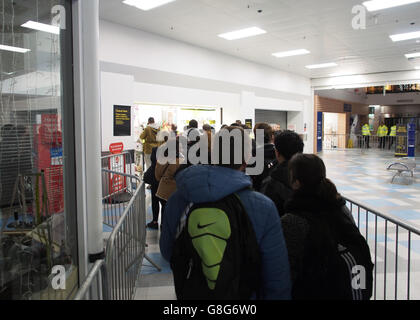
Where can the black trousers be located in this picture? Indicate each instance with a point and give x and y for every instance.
(156, 203)
(382, 142)
(367, 139)
(391, 142)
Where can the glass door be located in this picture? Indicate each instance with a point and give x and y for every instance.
(38, 237)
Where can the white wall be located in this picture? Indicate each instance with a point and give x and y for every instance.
(182, 74)
(128, 46)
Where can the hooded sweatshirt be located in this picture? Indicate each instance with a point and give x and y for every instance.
(199, 184)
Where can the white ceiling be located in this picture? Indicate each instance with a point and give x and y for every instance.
(321, 26)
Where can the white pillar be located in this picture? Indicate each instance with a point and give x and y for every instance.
(88, 127)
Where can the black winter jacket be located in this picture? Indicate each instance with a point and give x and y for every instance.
(277, 186)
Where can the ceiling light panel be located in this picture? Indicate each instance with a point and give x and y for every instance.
(375, 5)
(41, 27)
(13, 49)
(322, 65)
(243, 33)
(146, 5)
(405, 36)
(291, 53)
(412, 55)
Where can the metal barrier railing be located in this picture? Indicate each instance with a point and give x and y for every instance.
(117, 187)
(394, 249)
(352, 141)
(125, 248)
(358, 141)
(95, 287)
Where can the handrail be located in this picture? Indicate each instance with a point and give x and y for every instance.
(98, 268)
(385, 216)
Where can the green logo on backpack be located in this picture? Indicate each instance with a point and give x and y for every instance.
(209, 229)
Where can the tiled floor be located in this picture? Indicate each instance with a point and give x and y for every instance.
(363, 178)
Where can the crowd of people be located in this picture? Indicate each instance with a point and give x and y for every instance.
(283, 234)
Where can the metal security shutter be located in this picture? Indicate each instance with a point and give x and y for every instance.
(272, 116)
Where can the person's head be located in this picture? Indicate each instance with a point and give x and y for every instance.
(206, 128)
(238, 122)
(151, 120)
(223, 126)
(268, 131)
(308, 175)
(174, 128)
(193, 124)
(287, 144)
(232, 140)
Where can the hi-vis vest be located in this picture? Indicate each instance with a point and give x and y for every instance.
(393, 131)
(382, 131)
(366, 130)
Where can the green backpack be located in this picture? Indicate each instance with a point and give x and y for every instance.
(216, 255)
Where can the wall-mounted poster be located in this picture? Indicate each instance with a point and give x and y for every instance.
(248, 123)
(122, 121)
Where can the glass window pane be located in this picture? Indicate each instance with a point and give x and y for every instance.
(37, 226)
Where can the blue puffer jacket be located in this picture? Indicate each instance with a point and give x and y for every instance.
(198, 184)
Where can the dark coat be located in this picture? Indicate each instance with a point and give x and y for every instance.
(277, 186)
(308, 243)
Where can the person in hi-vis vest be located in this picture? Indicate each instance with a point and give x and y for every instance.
(366, 134)
(392, 136)
(382, 133)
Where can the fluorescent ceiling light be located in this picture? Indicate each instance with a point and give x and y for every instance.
(417, 68)
(405, 36)
(243, 33)
(13, 49)
(322, 65)
(412, 55)
(375, 5)
(41, 27)
(290, 53)
(146, 5)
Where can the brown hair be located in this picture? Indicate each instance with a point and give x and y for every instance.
(268, 131)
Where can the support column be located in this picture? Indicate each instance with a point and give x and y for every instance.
(88, 131)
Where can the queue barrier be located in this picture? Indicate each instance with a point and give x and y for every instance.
(392, 243)
(357, 141)
(95, 286)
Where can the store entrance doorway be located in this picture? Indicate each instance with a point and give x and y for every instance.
(334, 130)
